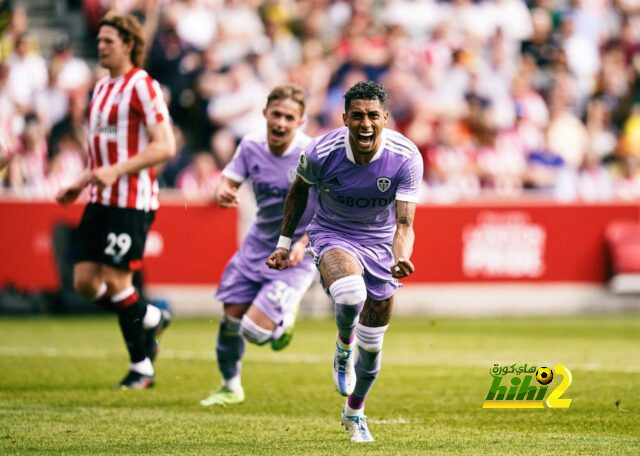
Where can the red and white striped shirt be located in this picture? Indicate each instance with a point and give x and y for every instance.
(120, 110)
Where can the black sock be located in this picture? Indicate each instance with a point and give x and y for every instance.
(130, 320)
(106, 303)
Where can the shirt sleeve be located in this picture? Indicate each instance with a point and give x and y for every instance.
(410, 178)
(308, 165)
(154, 108)
(237, 169)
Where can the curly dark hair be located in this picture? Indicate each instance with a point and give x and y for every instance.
(365, 90)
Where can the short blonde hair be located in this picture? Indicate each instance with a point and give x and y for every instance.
(292, 91)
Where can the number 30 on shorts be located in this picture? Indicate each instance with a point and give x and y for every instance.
(122, 241)
(282, 294)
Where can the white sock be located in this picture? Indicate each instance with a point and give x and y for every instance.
(152, 317)
(102, 290)
(278, 332)
(233, 384)
(124, 294)
(288, 319)
(143, 367)
(352, 412)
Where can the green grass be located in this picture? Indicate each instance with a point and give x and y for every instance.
(56, 375)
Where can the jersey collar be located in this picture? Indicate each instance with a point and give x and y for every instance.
(292, 147)
(294, 144)
(349, 152)
(123, 76)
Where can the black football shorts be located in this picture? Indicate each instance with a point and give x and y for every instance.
(112, 236)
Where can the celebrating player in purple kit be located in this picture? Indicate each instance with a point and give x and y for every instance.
(260, 305)
(367, 180)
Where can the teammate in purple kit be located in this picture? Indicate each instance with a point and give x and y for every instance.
(260, 305)
(367, 180)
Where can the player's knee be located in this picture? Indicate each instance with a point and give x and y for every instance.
(349, 290)
(370, 338)
(87, 287)
(115, 285)
(254, 333)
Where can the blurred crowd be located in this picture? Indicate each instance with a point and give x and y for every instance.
(502, 97)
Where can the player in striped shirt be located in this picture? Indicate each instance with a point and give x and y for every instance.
(129, 133)
(367, 179)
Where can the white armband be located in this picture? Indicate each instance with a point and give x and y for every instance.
(284, 243)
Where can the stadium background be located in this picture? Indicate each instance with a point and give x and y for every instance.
(527, 233)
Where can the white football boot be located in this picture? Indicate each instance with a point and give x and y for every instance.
(344, 374)
(357, 428)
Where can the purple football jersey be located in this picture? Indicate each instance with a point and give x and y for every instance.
(358, 201)
(271, 176)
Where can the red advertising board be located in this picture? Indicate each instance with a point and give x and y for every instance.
(488, 242)
(525, 241)
(186, 244)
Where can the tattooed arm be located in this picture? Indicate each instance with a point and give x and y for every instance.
(294, 207)
(403, 240)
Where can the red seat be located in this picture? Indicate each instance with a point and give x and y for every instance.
(623, 242)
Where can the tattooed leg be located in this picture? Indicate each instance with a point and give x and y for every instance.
(336, 264)
(376, 313)
(342, 274)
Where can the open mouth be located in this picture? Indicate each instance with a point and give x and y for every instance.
(365, 140)
(278, 133)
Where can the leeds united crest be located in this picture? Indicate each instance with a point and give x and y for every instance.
(383, 184)
(302, 162)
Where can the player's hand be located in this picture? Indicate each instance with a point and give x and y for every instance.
(279, 259)
(402, 268)
(227, 197)
(105, 175)
(297, 253)
(68, 195)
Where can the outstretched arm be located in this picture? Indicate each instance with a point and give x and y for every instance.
(226, 194)
(403, 240)
(69, 194)
(294, 207)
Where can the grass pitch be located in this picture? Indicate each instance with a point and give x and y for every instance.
(56, 375)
